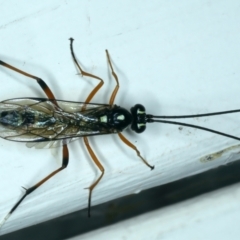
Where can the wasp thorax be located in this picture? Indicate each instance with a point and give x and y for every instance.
(139, 118)
(118, 118)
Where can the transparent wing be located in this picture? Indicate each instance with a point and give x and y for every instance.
(43, 124)
(50, 144)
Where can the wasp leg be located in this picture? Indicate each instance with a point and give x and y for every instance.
(135, 149)
(99, 165)
(94, 91)
(42, 84)
(31, 189)
(114, 93)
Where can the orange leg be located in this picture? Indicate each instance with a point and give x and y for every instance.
(101, 168)
(129, 144)
(114, 93)
(94, 91)
(42, 84)
(65, 157)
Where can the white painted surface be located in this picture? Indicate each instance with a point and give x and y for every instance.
(211, 216)
(173, 57)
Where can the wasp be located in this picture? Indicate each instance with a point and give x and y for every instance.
(48, 122)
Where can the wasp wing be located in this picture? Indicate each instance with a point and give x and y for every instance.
(50, 144)
(44, 122)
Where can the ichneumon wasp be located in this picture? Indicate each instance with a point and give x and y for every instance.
(48, 122)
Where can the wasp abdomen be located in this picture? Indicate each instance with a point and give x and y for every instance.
(25, 117)
(11, 118)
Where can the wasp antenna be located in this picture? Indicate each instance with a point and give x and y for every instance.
(194, 126)
(195, 115)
